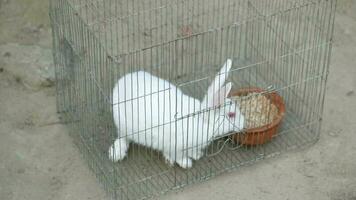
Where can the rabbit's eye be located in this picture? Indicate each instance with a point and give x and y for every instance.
(231, 114)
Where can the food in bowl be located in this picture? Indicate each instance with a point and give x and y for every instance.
(263, 112)
(257, 109)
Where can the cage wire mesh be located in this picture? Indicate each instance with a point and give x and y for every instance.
(151, 69)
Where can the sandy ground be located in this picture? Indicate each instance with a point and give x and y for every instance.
(39, 161)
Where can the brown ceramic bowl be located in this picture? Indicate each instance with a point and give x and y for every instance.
(262, 134)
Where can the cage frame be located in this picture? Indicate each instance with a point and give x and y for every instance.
(83, 55)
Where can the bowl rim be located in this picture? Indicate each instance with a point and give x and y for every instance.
(276, 99)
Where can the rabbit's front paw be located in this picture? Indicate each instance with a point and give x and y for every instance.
(197, 155)
(118, 150)
(185, 163)
(169, 161)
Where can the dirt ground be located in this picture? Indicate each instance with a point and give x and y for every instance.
(39, 160)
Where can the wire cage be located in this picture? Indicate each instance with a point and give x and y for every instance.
(149, 69)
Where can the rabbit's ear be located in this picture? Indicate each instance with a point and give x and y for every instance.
(220, 96)
(219, 80)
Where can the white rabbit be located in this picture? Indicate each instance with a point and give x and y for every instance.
(153, 112)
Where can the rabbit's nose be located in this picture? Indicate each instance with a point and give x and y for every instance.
(231, 114)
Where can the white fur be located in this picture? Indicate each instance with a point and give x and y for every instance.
(153, 112)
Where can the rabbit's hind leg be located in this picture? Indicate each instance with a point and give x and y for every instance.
(118, 150)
